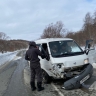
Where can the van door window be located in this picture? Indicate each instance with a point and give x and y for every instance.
(44, 50)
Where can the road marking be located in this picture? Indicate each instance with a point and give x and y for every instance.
(60, 93)
(93, 86)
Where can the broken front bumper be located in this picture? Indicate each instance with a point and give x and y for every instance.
(79, 79)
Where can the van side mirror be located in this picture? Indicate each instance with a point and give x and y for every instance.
(89, 46)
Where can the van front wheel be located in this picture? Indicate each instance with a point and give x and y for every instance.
(46, 77)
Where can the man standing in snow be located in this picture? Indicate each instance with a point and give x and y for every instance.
(32, 55)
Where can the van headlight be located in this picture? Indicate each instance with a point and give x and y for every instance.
(86, 61)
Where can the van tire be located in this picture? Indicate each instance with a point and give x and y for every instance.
(46, 77)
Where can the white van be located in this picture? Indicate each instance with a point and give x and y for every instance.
(64, 57)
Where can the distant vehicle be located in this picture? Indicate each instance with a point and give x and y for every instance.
(60, 62)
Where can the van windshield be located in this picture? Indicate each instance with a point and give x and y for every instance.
(65, 48)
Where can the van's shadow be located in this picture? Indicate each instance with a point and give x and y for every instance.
(59, 81)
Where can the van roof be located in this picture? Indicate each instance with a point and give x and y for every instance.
(51, 39)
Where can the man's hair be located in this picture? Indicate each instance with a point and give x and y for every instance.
(32, 43)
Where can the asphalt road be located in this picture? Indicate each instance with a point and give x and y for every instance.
(11, 78)
(15, 78)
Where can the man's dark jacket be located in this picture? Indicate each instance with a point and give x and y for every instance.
(32, 54)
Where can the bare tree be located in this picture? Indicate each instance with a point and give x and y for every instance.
(88, 30)
(3, 36)
(88, 26)
(54, 31)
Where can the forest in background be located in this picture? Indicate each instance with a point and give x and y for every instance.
(11, 45)
(88, 31)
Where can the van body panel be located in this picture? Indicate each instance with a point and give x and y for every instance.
(70, 61)
(60, 67)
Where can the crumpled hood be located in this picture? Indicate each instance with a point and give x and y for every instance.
(70, 61)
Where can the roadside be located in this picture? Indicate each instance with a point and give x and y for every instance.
(55, 88)
(5, 76)
(49, 89)
(11, 77)
(15, 78)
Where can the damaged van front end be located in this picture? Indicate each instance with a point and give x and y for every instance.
(78, 80)
(69, 67)
(65, 59)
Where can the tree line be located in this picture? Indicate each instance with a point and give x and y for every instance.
(11, 45)
(88, 30)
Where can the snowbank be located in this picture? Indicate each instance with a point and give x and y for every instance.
(94, 65)
(7, 56)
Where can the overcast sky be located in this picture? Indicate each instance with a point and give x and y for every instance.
(26, 19)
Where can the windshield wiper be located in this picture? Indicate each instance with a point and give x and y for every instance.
(77, 53)
(68, 54)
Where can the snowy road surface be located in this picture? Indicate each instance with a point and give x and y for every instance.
(15, 78)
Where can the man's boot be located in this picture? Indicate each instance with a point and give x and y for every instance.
(33, 86)
(39, 86)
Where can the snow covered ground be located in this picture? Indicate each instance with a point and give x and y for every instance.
(94, 65)
(5, 57)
